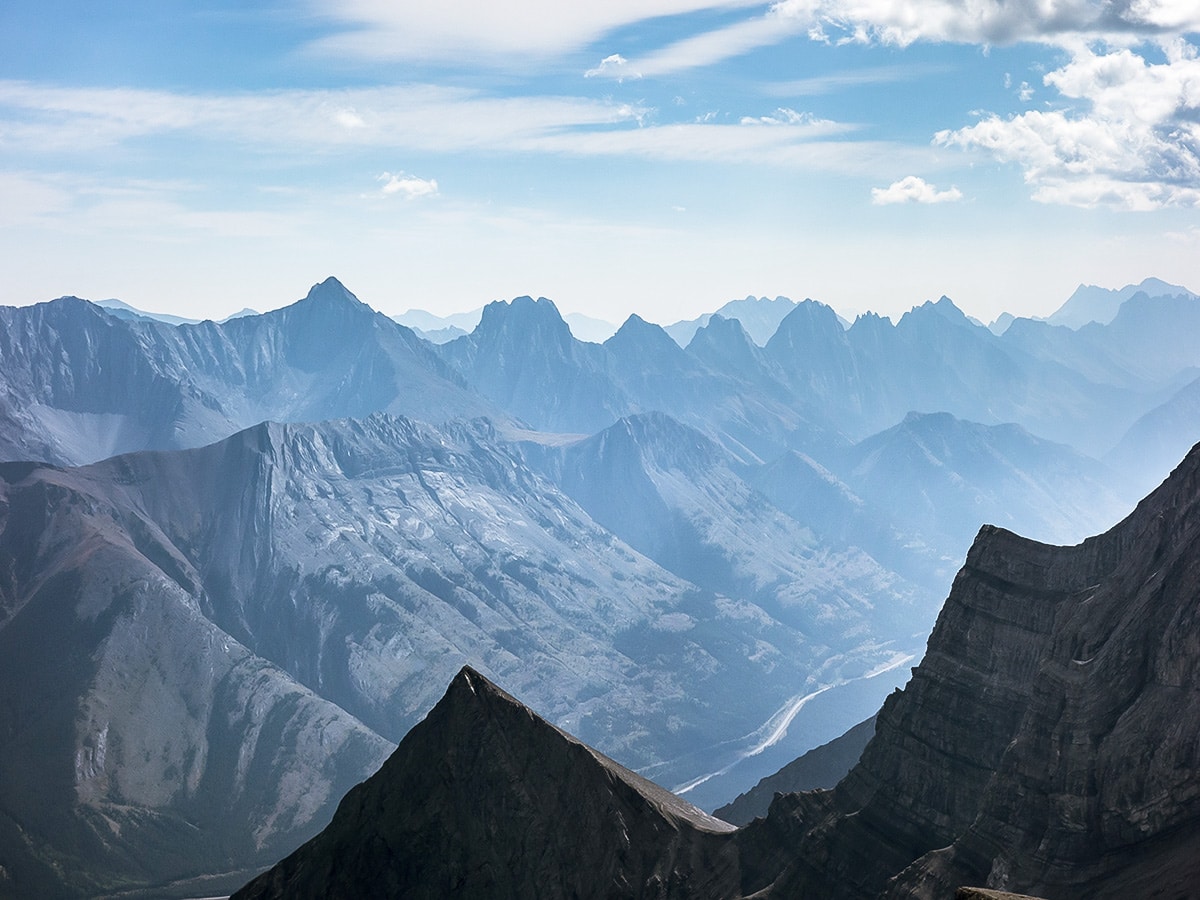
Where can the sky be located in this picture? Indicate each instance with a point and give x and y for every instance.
(659, 157)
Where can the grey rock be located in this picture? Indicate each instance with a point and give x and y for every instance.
(483, 799)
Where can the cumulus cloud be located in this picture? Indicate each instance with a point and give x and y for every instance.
(614, 66)
(408, 186)
(901, 22)
(913, 189)
(1133, 140)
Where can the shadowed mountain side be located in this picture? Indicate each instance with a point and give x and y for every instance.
(821, 767)
(483, 799)
(141, 743)
(1048, 739)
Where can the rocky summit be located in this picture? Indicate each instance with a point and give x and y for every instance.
(485, 799)
(1047, 745)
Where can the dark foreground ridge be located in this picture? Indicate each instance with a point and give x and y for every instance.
(1047, 745)
(485, 799)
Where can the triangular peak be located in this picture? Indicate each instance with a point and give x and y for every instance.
(636, 331)
(332, 290)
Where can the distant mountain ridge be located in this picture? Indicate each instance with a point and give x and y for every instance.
(79, 384)
(704, 559)
(759, 316)
(1090, 303)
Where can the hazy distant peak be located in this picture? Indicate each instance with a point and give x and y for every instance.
(1090, 303)
(1001, 323)
(523, 317)
(871, 321)
(525, 305)
(123, 310)
(760, 317)
(725, 328)
(331, 291)
(943, 308)
(810, 311)
(637, 330)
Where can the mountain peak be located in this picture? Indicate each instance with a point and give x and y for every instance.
(637, 332)
(485, 798)
(1090, 303)
(524, 314)
(332, 291)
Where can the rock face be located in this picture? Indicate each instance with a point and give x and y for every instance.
(1047, 745)
(484, 799)
(141, 742)
(1048, 742)
(820, 768)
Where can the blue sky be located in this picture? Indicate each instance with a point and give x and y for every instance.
(662, 156)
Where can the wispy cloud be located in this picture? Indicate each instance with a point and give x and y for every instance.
(424, 119)
(501, 34)
(913, 189)
(38, 118)
(837, 81)
(711, 47)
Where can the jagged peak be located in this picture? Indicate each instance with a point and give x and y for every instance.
(524, 313)
(942, 309)
(870, 322)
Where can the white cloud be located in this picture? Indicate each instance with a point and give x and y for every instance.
(293, 124)
(409, 186)
(348, 118)
(785, 116)
(614, 66)
(36, 118)
(714, 46)
(827, 84)
(1135, 144)
(485, 31)
(902, 22)
(913, 190)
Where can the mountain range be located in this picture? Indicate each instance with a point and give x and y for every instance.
(242, 560)
(1045, 745)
